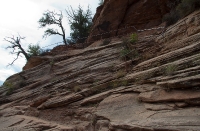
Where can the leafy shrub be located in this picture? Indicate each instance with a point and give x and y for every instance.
(124, 52)
(34, 50)
(128, 52)
(133, 38)
(10, 88)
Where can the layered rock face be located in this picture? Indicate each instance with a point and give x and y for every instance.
(94, 89)
(118, 14)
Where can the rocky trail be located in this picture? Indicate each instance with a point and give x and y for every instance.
(94, 89)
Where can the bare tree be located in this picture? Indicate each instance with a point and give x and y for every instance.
(52, 18)
(16, 47)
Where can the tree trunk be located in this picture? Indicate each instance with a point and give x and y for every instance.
(24, 52)
(63, 31)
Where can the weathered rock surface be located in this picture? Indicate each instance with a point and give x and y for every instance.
(94, 89)
(170, 96)
(117, 14)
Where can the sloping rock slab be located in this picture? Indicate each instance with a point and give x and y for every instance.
(125, 112)
(57, 102)
(95, 98)
(173, 123)
(118, 107)
(139, 88)
(186, 82)
(164, 96)
(159, 107)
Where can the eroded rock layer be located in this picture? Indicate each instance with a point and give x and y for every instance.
(118, 14)
(96, 89)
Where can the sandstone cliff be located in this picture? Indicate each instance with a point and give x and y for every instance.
(118, 14)
(94, 89)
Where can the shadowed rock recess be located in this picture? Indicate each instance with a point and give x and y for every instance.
(94, 89)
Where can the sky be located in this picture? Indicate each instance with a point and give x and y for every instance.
(21, 17)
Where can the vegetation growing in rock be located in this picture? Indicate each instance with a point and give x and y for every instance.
(9, 87)
(180, 10)
(133, 38)
(50, 18)
(128, 52)
(16, 47)
(80, 22)
(34, 50)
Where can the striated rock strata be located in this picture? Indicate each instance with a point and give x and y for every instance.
(94, 89)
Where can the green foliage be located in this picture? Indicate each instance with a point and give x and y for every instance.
(124, 52)
(52, 18)
(34, 50)
(128, 52)
(10, 88)
(133, 38)
(126, 49)
(80, 23)
(47, 19)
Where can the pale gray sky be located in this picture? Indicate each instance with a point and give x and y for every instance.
(21, 16)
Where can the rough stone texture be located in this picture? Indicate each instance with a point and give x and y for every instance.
(34, 61)
(164, 96)
(117, 14)
(93, 89)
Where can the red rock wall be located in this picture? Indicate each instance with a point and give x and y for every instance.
(117, 14)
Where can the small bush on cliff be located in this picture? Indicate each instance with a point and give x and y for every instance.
(128, 52)
(182, 9)
(133, 38)
(34, 50)
(9, 87)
